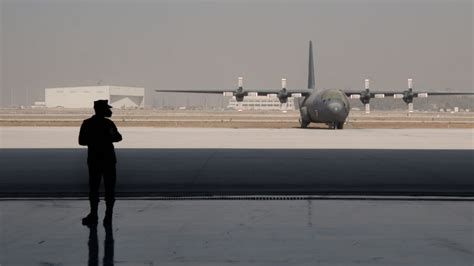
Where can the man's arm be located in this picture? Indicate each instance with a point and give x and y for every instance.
(116, 137)
(83, 135)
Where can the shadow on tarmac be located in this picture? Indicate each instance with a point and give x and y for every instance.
(203, 172)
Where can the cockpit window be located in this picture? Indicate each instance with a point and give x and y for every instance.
(331, 94)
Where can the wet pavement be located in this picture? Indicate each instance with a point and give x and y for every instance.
(240, 232)
(382, 231)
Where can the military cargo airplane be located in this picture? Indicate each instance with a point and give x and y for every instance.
(329, 106)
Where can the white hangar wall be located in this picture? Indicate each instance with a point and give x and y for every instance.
(125, 97)
(84, 97)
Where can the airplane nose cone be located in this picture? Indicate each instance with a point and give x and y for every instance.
(336, 110)
(336, 107)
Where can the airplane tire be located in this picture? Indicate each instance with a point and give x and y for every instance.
(340, 125)
(303, 124)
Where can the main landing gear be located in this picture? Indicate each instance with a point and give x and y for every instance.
(303, 123)
(332, 125)
(336, 125)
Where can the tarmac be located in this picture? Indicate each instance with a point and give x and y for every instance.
(47, 162)
(324, 228)
(190, 232)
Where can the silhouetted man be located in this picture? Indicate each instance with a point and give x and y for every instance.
(99, 133)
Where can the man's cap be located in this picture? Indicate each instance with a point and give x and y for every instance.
(101, 104)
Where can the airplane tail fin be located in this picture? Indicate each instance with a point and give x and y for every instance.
(311, 83)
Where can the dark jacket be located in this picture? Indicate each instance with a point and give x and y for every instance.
(98, 133)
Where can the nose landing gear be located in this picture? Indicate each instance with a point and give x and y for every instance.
(336, 125)
(340, 125)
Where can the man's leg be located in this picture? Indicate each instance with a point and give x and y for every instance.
(95, 173)
(110, 177)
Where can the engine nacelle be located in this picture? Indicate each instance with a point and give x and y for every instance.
(365, 95)
(408, 94)
(239, 93)
(283, 94)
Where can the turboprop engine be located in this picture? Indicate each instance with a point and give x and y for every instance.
(239, 93)
(408, 94)
(283, 93)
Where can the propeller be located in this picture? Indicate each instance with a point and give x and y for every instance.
(239, 93)
(283, 93)
(408, 96)
(365, 96)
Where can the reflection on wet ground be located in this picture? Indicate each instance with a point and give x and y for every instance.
(93, 246)
(240, 232)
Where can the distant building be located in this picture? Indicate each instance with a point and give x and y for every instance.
(84, 97)
(38, 104)
(260, 103)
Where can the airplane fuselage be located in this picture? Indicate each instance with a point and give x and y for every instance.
(330, 106)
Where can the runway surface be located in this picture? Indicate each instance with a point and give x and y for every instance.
(48, 162)
(216, 233)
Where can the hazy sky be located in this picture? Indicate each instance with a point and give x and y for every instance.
(208, 44)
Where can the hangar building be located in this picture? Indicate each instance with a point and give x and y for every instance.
(261, 103)
(84, 97)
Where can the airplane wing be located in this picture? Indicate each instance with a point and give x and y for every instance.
(247, 91)
(210, 91)
(239, 93)
(447, 92)
(376, 93)
(393, 93)
(406, 95)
